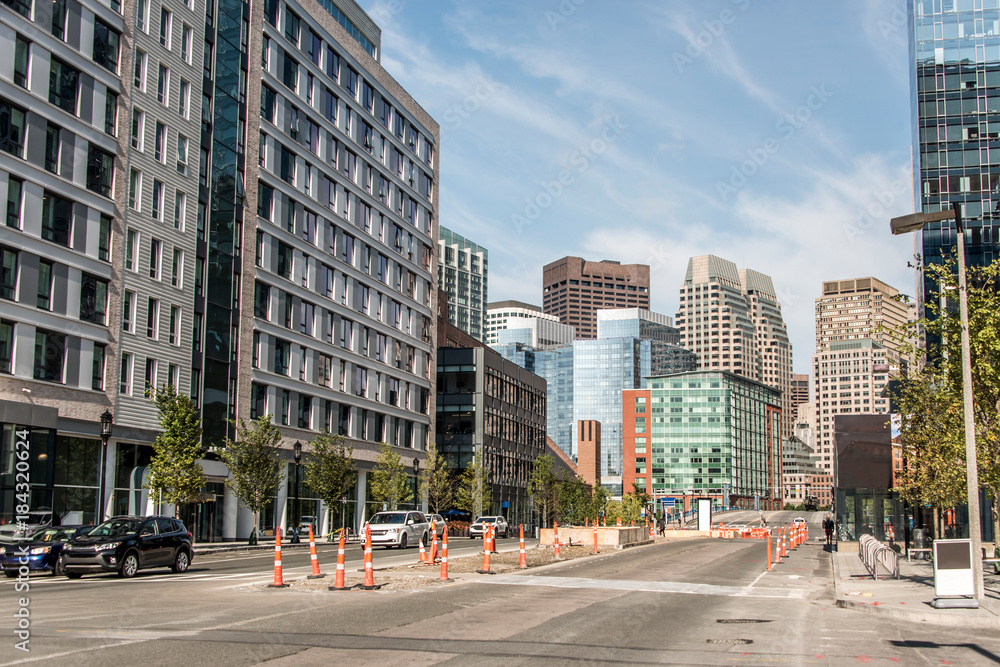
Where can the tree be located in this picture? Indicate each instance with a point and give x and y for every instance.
(436, 481)
(330, 470)
(631, 508)
(389, 483)
(542, 488)
(475, 493)
(174, 472)
(574, 500)
(640, 492)
(598, 501)
(256, 469)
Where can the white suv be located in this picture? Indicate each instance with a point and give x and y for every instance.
(398, 529)
(500, 527)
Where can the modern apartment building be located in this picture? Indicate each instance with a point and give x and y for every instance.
(256, 230)
(705, 434)
(544, 330)
(462, 274)
(574, 289)
(731, 320)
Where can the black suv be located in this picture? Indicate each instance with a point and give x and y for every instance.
(126, 544)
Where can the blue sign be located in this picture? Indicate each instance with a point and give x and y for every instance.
(669, 502)
(505, 504)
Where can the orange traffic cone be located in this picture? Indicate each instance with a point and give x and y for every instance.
(524, 556)
(312, 556)
(444, 555)
(555, 539)
(434, 545)
(619, 522)
(586, 522)
(423, 553)
(278, 583)
(338, 583)
(486, 553)
(369, 584)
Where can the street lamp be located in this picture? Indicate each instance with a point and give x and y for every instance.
(297, 452)
(912, 223)
(416, 485)
(107, 419)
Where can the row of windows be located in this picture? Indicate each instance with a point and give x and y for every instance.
(156, 374)
(57, 224)
(50, 355)
(51, 279)
(154, 326)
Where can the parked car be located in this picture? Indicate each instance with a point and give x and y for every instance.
(500, 527)
(127, 544)
(398, 529)
(438, 522)
(41, 552)
(32, 523)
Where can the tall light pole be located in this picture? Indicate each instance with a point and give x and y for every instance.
(296, 520)
(912, 223)
(107, 421)
(416, 483)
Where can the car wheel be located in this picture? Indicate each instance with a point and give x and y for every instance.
(10, 573)
(74, 575)
(57, 568)
(402, 541)
(129, 566)
(181, 562)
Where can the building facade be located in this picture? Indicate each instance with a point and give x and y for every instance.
(860, 308)
(574, 289)
(545, 330)
(462, 274)
(705, 434)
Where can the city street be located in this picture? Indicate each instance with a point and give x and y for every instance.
(682, 601)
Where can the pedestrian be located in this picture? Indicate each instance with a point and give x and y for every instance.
(763, 521)
(680, 524)
(828, 528)
(662, 526)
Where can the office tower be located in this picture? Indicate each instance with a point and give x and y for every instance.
(679, 439)
(799, 391)
(859, 308)
(545, 329)
(955, 58)
(248, 214)
(574, 289)
(731, 320)
(462, 274)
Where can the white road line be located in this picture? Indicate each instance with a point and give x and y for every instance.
(643, 586)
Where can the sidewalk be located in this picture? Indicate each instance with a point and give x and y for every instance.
(909, 596)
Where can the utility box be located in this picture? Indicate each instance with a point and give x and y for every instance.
(704, 514)
(954, 581)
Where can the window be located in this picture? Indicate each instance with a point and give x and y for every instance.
(59, 19)
(93, 299)
(173, 375)
(155, 252)
(11, 129)
(177, 268)
(142, 15)
(138, 128)
(63, 83)
(292, 27)
(139, 79)
(157, 210)
(125, 381)
(153, 319)
(186, 44)
(8, 273)
(44, 300)
(57, 218)
(22, 52)
(111, 113)
(160, 142)
(151, 368)
(175, 325)
(128, 311)
(97, 372)
(267, 104)
(166, 18)
(184, 99)
(52, 144)
(281, 355)
(180, 207)
(104, 239)
(163, 86)
(305, 411)
(264, 52)
(100, 171)
(290, 74)
(261, 300)
(22, 7)
(285, 256)
(50, 348)
(265, 200)
(15, 188)
(132, 250)
(135, 190)
(106, 46)
(287, 167)
(350, 82)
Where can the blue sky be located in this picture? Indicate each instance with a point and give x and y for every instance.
(775, 134)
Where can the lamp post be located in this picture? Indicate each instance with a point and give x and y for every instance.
(912, 223)
(297, 452)
(107, 420)
(416, 484)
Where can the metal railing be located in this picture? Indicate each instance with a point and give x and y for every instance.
(873, 553)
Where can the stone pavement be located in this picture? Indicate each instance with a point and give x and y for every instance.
(909, 596)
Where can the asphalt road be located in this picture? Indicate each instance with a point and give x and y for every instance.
(706, 602)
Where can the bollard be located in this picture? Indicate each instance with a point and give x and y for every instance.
(312, 556)
(524, 556)
(338, 583)
(444, 555)
(769, 551)
(555, 540)
(369, 584)
(434, 544)
(486, 538)
(278, 583)
(586, 522)
(486, 554)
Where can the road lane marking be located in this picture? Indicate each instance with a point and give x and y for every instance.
(643, 586)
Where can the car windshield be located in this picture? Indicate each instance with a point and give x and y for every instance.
(115, 528)
(486, 519)
(391, 517)
(49, 535)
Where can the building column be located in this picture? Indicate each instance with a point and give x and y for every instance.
(359, 507)
(281, 506)
(230, 517)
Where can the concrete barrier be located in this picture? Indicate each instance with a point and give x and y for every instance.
(608, 536)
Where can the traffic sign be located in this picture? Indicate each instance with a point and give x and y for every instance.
(669, 502)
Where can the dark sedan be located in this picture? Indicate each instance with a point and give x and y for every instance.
(126, 544)
(41, 553)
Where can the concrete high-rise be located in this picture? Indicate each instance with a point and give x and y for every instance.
(544, 330)
(859, 308)
(462, 274)
(574, 289)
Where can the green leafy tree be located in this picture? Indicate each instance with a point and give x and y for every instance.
(329, 468)
(174, 472)
(475, 493)
(436, 481)
(256, 469)
(640, 493)
(574, 501)
(599, 498)
(389, 482)
(542, 488)
(631, 508)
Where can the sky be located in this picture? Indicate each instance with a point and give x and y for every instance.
(773, 134)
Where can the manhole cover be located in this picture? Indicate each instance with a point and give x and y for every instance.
(742, 620)
(729, 641)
